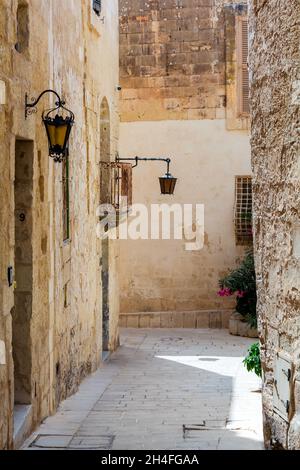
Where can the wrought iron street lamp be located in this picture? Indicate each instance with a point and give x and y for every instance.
(167, 182)
(58, 126)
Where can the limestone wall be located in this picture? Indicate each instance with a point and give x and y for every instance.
(158, 275)
(173, 57)
(179, 100)
(66, 47)
(274, 65)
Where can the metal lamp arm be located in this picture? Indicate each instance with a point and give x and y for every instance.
(28, 105)
(146, 159)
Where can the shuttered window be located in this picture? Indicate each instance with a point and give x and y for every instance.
(243, 210)
(97, 7)
(116, 184)
(126, 182)
(242, 66)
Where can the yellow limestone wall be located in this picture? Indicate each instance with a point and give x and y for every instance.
(179, 100)
(72, 51)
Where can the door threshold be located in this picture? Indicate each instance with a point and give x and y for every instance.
(22, 424)
(105, 356)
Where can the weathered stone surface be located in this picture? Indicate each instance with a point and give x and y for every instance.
(79, 59)
(274, 73)
(172, 60)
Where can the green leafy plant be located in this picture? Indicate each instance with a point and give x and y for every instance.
(252, 361)
(242, 282)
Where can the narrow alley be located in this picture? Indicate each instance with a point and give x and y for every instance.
(163, 389)
(149, 227)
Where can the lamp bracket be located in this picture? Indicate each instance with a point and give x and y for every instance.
(146, 159)
(30, 106)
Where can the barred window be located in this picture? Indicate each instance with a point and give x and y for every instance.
(97, 7)
(242, 66)
(243, 210)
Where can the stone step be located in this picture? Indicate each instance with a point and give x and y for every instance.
(194, 319)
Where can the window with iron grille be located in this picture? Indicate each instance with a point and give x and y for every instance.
(243, 210)
(97, 7)
(242, 66)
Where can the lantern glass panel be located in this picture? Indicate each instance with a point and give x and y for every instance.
(60, 135)
(57, 134)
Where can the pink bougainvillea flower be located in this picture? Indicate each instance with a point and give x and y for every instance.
(228, 292)
(225, 292)
(241, 294)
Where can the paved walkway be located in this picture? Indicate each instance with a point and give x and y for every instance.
(163, 389)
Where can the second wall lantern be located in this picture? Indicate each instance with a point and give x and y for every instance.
(167, 182)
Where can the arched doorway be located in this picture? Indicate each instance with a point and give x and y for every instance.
(105, 191)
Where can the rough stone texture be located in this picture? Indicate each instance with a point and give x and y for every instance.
(79, 59)
(177, 58)
(154, 384)
(275, 91)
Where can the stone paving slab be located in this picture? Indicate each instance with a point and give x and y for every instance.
(156, 383)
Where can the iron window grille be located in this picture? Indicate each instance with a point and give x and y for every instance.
(243, 210)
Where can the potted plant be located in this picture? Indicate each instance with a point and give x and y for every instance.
(242, 283)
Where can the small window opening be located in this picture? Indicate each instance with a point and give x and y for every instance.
(97, 7)
(22, 27)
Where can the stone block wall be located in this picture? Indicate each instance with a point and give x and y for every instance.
(194, 320)
(275, 100)
(173, 56)
(78, 58)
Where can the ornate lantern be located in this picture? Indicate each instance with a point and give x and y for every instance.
(58, 126)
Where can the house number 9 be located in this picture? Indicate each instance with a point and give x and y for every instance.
(22, 217)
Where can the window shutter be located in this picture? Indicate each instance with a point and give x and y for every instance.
(105, 184)
(242, 63)
(126, 182)
(97, 7)
(116, 184)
